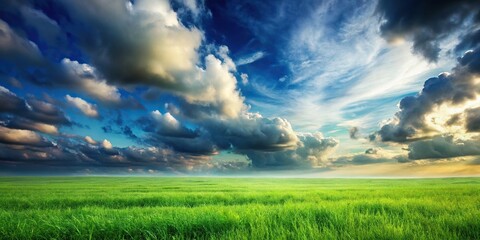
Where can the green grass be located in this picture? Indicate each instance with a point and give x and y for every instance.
(238, 208)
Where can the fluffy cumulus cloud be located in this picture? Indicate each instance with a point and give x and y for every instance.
(86, 78)
(157, 50)
(440, 106)
(312, 150)
(106, 144)
(85, 107)
(428, 22)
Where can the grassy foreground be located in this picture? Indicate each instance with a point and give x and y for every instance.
(238, 208)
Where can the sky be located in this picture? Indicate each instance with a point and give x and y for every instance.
(330, 88)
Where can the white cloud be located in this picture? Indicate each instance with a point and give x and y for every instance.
(88, 109)
(166, 120)
(251, 58)
(106, 144)
(216, 86)
(17, 136)
(43, 127)
(90, 140)
(157, 51)
(86, 78)
(244, 78)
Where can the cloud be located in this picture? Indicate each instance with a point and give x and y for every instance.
(22, 137)
(165, 130)
(158, 51)
(106, 144)
(251, 131)
(166, 125)
(353, 132)
(17, 50)
(156, 47)
(370, 156)
(23, 150)
(440, 122)
(447, 96)
(215, 87)
(250, 58)
(247, 132)
(443, 147)
(90, 140)
(23, 123)
(88, 109)
(85, 77)
(312, 150)
(30, 114)
(137, 46)
(427, 22)
(244, 78)
(70, 74)
(195, 7)
(41, 67)
(473, 120)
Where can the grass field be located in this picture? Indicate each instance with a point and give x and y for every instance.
(238, 208)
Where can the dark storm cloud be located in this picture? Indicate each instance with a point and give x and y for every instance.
(451, 89)
(312, 150)
(428, 22)
(469, 41)
(473, 120)
(443, 147)
(14, 49)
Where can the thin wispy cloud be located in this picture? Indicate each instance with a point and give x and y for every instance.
(250, 58)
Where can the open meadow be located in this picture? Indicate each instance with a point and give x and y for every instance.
(238, 208)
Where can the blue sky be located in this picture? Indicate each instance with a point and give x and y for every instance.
(239, 87)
